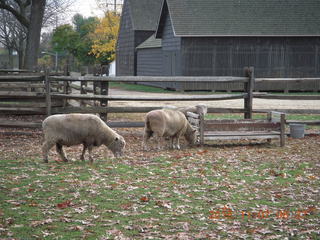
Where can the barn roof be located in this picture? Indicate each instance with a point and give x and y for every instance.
(151, 42)
(244, 17)
(145, 14)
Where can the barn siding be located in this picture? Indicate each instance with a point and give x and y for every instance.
(128, 40)
(149, 62)
(125, 45)
(271, 57)
(171, 58)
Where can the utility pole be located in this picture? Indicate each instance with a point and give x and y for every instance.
(114, 4)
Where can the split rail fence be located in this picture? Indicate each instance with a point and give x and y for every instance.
(46, 94)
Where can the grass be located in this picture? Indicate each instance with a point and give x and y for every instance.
(204, 193)
(139, 88)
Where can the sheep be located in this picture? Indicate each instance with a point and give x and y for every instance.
(73, 129)
(168, 123)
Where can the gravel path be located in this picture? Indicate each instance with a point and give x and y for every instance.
(238, 103)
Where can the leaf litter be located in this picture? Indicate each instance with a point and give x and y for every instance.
(220, 191)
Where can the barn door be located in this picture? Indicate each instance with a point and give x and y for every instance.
(171, 63)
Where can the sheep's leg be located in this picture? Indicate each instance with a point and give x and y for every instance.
(45, 150)
(90, 153)
(61, 152)
(178, 143)
(158, 140)
(83, 152)
(172, 142)
(177, 137)
(146, 136)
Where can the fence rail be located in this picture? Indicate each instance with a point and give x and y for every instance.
(47, 94)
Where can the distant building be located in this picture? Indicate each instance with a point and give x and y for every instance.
(5, 60)
(138, 22)
(221, 37)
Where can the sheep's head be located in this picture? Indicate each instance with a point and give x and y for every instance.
(117, 146)
(191, 136)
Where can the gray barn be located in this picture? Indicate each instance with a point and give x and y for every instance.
(138, 22)
(221, 37)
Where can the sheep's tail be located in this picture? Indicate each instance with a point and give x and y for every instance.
(147, 128)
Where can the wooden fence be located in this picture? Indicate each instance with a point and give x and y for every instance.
(45, 94)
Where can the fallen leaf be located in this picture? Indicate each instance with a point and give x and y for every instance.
(64, 204)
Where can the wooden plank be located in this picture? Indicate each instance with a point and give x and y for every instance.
(240, 133)
(21, 94)
(125, 124)
(104, 91)
(282, 130)
(149, 98)
(291, 111)
(131, 109)
(19, 124)
(19, 78)
(286, 79)
(219, 79)
(201, 125)
(289, 97)
(103, 109)
(240, 126)
(15, 71)
(21, 85)
(248, 100)
(307, 122)
(235, 121)
(22, 109)
(211, 138)
(28, 104)
(66, 90)
(48, 94)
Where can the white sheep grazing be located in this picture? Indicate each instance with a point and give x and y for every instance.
(73, 129)
(168, 123)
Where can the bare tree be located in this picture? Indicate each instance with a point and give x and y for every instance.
(32, 21)
(26, 19)
(12, 35)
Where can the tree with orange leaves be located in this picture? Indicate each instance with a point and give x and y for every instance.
(105, 37)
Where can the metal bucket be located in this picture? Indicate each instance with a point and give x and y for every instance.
(297, 130)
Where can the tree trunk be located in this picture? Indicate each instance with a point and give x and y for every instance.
(10, 58)
(20, 55)
(34, 32)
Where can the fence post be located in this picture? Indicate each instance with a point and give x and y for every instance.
(83, 85)
(66, 86)
(249, 86)
(48, 92)
(201, 129)
(283, 129)
(104, 90)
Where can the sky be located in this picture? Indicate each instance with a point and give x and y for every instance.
(86, 8)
